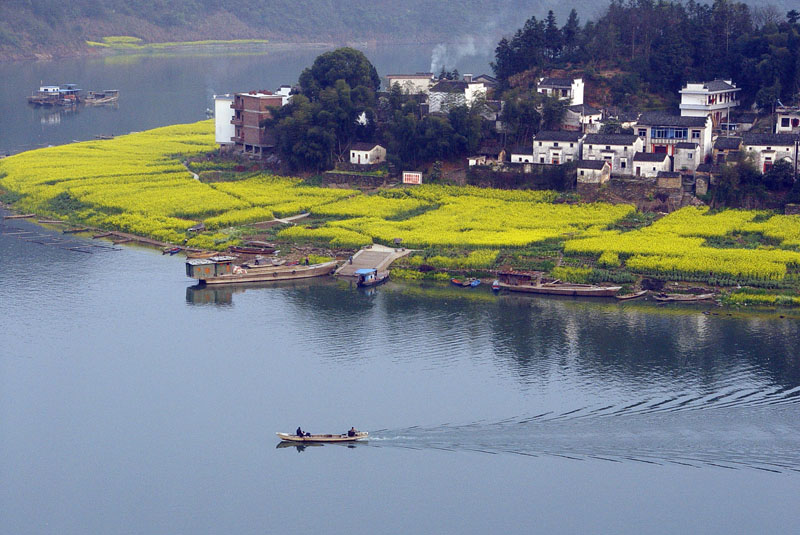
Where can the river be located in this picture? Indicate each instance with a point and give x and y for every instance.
(132, 401)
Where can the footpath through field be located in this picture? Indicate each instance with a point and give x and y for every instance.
(373, 257)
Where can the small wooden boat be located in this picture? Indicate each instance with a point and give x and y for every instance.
(344, 437)
(633, 295)
(370, 277)
(465, 282)
(171, 251)
(530, 283)
(201, 254)
(251, 250)
(684, 298)
(221, 270)
(99, 98)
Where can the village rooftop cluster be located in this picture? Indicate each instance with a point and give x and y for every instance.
(674, 151)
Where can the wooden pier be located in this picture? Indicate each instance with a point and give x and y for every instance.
(373, 257)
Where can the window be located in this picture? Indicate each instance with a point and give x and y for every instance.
(581, 172)
(690, 155)
(784, 122)
(624, 149)
(590, 147)
(541, 160)
(608, 147)
(555, 144)
(623, 164)
(540, 143)
(695, 134)
(571, 145)
(643, 132)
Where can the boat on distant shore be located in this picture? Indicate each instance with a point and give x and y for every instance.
(250, 250)
(665, 297)
(472, 282)
(634, 295)
(221, 270)
(532, 283)
(56, 95)
(344, 437)
(100, 98)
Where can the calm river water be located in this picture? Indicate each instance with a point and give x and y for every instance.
(132, 401)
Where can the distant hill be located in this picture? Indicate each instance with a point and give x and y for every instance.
(52, 28)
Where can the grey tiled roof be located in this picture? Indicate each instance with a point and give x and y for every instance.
(591, 164)
(449, 86)
(650, 157)
(781, 140)
(558, 135)
(660, 118)
(583, 109)
(718, 85)
(727, 143)
(610, 139)
(556, 82)
(362, 145)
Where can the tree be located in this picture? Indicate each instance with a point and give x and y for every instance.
(780, 176)
(346, 64)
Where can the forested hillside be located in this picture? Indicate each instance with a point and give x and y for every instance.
(57, 27)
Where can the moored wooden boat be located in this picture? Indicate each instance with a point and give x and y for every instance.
(633, 295)
(370, 277)
(344, 437)
(221, 270)
(472, 282)
(201, 254)
(251, 250)
(665, 297)
(530, 283)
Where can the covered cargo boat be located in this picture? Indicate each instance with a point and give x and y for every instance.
(221, 270)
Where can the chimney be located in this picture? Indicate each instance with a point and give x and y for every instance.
(468, 78)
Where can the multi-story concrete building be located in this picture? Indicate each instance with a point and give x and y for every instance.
(250, 110)
(556, 147)
(712, 99)
(223, 120)
(767, 149)
(616, 149)
(662, 131)
(569, 89)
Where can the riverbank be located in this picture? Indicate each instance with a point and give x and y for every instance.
(139, 184)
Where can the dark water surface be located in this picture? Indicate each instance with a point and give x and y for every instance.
(133, 402)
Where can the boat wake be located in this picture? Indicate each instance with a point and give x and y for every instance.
(732, 434)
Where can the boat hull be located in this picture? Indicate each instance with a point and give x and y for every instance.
(565, 289)
(361, 435)
(683, 298)
(273, 273)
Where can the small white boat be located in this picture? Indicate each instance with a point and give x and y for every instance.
(344, 437)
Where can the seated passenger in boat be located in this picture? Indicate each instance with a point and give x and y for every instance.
(300, 433)
(352, 432)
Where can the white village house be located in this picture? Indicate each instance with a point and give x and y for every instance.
(583, 117)
(557, 147)
(617, 149)
(649, 164)
(367, 153)
(686, 156)
(713, 99)
(593, 171)
(522, 154)
(447, 94)
(767, 149)
(787, 120)
(569, 89)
